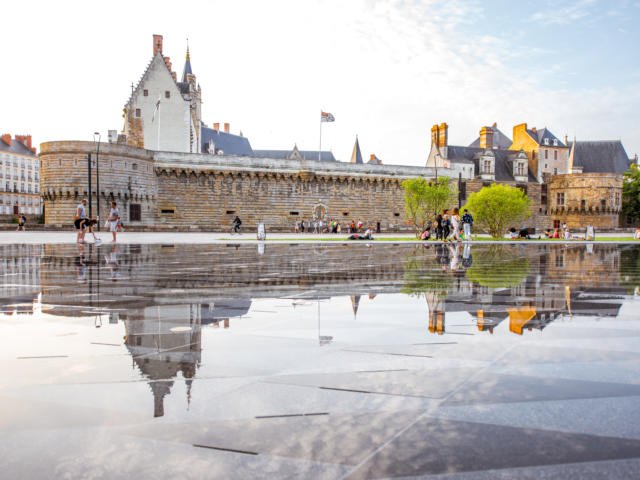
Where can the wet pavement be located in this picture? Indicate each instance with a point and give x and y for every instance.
(320, 361)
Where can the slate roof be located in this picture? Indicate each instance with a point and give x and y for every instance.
(500, 140)
(227, 142)
(187, 67)
(16, 147)
(604, 156)
(356, 156)
(503, 160)
(540, 135)
(285, 154)
(221, 309)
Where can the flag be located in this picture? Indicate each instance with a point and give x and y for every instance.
(327, 117)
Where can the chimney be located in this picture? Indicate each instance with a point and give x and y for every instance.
(495, 125)
(157, 44)
(443, 135)
(25, 140)
(226, 127)
(6, 138)
(566, 140)
(372, 157)
(216, 126)
(486, 138)
(167, 62)
(434, 135)
(534, 129)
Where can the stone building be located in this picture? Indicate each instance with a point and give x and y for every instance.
(202, 191)
(579, 183)
(19, 177)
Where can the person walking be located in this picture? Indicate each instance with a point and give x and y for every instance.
(236, 224)
(80, 220)
(455, 224)
(446, 225)
(114, 219)
(467, 223)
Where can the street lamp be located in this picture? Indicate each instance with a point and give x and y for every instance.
(96, 140)
(435, 163)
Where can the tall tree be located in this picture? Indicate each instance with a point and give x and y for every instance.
(631, 195)
(498, 207)
(423, 199)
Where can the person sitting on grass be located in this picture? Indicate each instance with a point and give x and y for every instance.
(426, 234)
(513, 234)
(524, 233)
(547, 233)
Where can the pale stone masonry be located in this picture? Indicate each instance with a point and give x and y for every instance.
(185, 190)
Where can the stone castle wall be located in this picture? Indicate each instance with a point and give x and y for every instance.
(126, 176)
(192, 190)
(589, 199)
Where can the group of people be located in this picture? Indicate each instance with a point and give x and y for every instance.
(450, 226)
(332, 225)
(83, 224)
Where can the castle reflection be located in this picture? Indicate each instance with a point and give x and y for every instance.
(165, 295)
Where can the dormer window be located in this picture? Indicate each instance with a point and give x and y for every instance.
(486, 166)
(167, 94)
(555, 142)
(546, 141)
(520, 169)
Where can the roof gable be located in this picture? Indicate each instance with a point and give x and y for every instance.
(500, 140)
(158, 64)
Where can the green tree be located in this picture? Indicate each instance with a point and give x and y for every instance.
(631, 195)
(423, 198)
(497, 207)
(498, 266)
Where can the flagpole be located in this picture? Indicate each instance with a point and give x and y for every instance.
(320, 148)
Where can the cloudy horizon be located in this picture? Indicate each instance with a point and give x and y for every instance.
(387, 69)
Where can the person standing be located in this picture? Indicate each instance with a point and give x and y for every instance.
(446, 225)
(467, 223)
(455, 224)
(114, 219)
(80, 220)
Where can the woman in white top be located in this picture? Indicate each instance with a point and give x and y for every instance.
(114, 218)
(455, 224)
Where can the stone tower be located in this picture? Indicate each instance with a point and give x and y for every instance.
(163, 113)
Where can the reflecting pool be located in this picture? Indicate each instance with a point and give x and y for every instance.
(320, 361)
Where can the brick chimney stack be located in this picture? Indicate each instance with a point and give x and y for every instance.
(443, 135)
(226, 127)
(157, 44)
(6, 138)
(486, 138)
(216, 126)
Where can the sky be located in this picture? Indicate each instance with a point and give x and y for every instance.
(386, 69)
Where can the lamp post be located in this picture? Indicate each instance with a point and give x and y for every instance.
(435, 163)
(96, 140)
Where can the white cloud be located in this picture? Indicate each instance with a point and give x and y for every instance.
(573, 12)
(387, 69)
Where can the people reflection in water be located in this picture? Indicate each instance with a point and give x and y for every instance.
(81, 263)
(112, 262)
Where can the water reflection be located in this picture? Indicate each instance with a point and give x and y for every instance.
(164, 296)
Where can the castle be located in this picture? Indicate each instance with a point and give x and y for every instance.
(168, 169)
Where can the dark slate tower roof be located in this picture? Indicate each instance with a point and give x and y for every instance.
(187, 67)
(604, 156)
(356, 156)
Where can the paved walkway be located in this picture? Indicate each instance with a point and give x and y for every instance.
(40, 237)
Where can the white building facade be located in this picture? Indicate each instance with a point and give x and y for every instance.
(19, 177)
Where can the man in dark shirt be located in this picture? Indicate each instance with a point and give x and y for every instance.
(467, 221)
